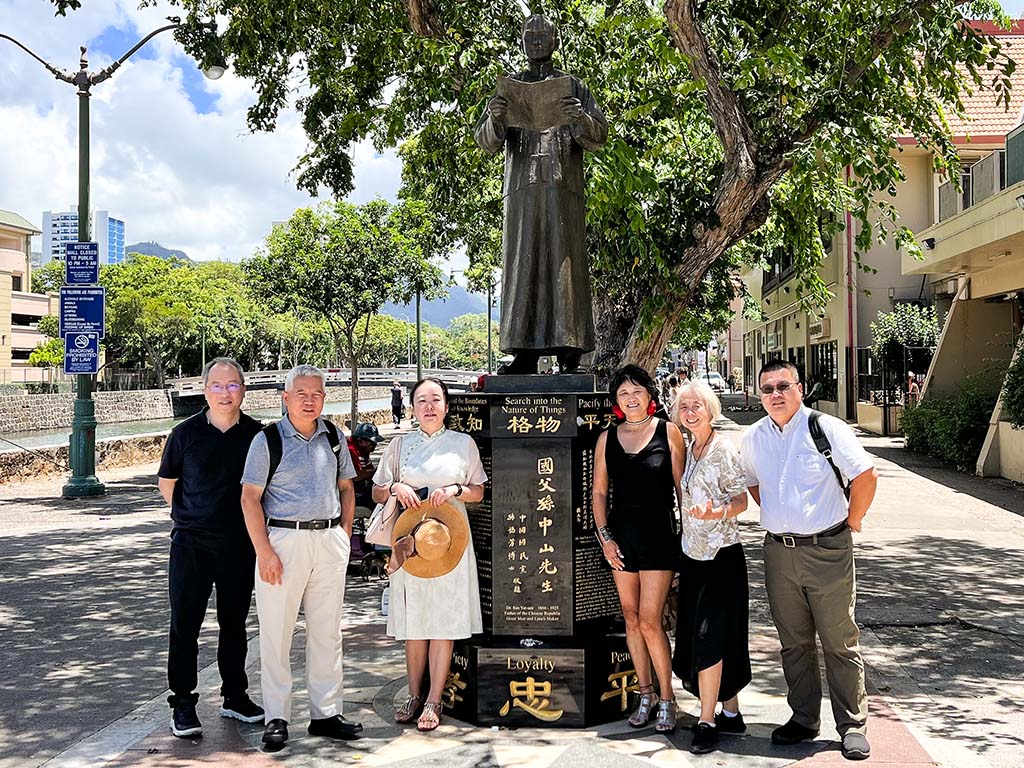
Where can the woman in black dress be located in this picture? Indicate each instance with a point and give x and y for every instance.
(638, 465)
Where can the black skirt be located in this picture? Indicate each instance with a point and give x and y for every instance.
(712, 621)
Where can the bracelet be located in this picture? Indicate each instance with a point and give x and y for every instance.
(391, 489)
(604, 534)
(458, 492)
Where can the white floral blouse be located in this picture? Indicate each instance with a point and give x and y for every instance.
(717, 476)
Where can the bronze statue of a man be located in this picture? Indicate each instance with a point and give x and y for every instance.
(546, 303)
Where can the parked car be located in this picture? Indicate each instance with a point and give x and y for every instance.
(714, 378)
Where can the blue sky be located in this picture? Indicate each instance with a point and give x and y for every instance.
(171, 152)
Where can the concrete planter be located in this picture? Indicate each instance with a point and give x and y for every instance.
(870, 418)
(1011, 452)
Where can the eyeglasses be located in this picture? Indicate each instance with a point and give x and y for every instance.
(782, 388)
(220, 389)
(695, 408)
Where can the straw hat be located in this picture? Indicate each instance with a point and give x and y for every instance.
(440, 535)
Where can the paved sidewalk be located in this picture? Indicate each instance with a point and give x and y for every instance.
(83, 633)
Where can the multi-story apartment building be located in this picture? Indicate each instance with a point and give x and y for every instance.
(20, 310)
(976, 249)
(824, 344)
(61, 228)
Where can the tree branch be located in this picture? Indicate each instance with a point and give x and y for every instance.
(424, 18)
(881, 40)
(727, 114)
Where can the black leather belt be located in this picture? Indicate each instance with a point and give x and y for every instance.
(305, 525)
(805, 539)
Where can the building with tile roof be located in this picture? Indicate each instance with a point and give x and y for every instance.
(832, 349)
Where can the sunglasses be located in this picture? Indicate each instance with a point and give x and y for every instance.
(782, 388)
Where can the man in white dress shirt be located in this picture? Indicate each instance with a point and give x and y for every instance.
(808, 553)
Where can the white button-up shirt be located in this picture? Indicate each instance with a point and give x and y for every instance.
(799, 491)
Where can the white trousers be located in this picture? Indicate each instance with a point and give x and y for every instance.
(314, 576)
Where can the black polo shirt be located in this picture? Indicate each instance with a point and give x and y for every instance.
(207, 503)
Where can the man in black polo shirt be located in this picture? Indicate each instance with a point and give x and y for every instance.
(199, 477)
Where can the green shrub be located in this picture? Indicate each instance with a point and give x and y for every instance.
(11, 389)
(1013, 391)
(952, 428)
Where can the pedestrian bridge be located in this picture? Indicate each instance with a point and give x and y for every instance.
(336, 377)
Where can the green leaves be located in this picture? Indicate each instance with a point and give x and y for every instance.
(821, 87)
(908, 325)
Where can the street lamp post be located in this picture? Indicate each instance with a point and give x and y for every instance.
(419, 338)
(491, 283)
(83, 480)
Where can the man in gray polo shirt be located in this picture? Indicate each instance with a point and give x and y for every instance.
(299, 517)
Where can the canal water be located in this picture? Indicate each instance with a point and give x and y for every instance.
(55, 437)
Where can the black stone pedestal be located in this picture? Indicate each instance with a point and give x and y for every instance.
(550, 608)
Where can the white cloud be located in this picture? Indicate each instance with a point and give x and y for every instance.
(199, 182)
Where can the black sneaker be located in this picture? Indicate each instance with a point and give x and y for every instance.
(855, 746)
(184, 720)
(276, 732)
(730, 724)
(242, 708)
(336, 727)
(792, 733)
(705, 739)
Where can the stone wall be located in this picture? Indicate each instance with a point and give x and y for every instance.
(261, 399)
(16, 466)
(24, 413)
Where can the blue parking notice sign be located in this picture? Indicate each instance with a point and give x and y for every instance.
(82, 310)
(81, 353)
(82, 263)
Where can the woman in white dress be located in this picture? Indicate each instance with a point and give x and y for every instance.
(430, 614)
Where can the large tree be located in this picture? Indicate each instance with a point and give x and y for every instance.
(340, 262)
(726, 115)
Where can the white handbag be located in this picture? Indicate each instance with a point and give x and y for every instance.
(382, 522)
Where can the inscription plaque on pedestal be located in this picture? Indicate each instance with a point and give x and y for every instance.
(548, 598)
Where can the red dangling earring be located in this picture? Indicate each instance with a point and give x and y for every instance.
(651, 408)
(619, 413)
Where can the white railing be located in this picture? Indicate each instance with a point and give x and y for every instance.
(367, 376)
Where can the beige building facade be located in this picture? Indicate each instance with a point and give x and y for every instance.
(979, 250)
(824, 343)
(20, 309)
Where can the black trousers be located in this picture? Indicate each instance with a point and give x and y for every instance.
(192, 575)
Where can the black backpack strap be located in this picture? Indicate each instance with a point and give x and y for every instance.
(825, 448)
(333, 437)
(275, 447)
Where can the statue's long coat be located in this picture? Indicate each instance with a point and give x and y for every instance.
(545, 298)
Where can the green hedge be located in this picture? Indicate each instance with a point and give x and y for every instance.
(952, 428)
(1013, 392)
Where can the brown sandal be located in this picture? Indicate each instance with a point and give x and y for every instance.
(431, 717)
(409, 710)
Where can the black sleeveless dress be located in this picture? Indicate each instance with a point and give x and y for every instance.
(641, 512)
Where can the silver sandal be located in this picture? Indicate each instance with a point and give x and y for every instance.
(665, 721)
(409, 710)
(644, 707)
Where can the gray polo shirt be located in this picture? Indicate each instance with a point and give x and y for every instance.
(305, 483)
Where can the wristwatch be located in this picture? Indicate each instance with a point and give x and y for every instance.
(391, 489)
(458, 492)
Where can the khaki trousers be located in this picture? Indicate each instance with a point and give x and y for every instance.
(813, 589)
(314, 577)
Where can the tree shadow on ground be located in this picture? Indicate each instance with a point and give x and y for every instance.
(84, 618)
(997, 491)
